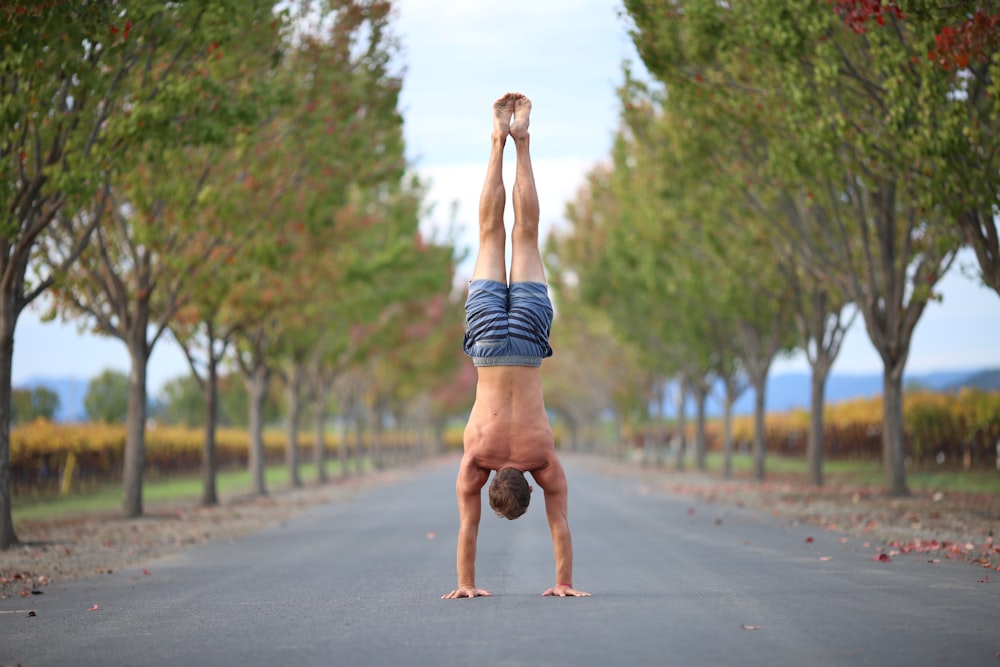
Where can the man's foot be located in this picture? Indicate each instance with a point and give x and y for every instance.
(503, 109)
(522, 116)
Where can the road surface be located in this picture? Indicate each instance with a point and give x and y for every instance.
(674, 582)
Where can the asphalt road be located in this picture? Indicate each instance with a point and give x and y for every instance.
(674, 582)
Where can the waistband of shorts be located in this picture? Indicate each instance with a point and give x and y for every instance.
(508, 360)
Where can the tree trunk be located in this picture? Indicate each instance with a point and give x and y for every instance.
(319, 449)
(135, 421)
(700, 439)
(344, 445)
(681, 424)
(660, 425)
(759, 415)
(814, 446)
(378, 433)
(359, 443)
(893, 436)
(294, 413)
(257, 382)
(727, 438)
(8, 318)
(209, 495)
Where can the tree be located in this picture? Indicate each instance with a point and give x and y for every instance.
(965, 158)
(132, 279)
(867, 106)
(182, 402)
(107, 398)
(30, 404)
(62, 125)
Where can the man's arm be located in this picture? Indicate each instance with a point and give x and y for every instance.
(468, 488)
(552, 479)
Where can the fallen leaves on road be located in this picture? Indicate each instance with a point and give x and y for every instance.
(750, 627)
(882, 558)
(94, 608)
(24, 584)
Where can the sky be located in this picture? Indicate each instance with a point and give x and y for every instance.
(567, 56)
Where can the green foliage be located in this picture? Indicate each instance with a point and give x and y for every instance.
(182, 403)
(106, 400)
(30, 404)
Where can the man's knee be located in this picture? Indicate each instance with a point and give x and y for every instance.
(525, 234)
(491, 231)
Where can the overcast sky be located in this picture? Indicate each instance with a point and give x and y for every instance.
(567, 56)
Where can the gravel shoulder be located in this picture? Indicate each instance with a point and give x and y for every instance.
(960, 527)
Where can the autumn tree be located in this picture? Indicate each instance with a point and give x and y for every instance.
(330, 169)
(83, 85)
(135, 275)
(866, 105)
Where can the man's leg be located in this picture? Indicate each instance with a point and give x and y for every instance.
(490, 264)
(526, 261)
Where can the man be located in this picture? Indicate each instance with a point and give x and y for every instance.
(507, 335)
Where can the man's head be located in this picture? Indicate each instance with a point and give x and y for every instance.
(509, 493)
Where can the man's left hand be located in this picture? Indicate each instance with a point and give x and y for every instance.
(563, 591)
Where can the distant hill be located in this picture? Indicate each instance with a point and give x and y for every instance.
(70, 391)
(791, 390)
(986, 380)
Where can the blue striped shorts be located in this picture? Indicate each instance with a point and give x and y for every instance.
(507, 326)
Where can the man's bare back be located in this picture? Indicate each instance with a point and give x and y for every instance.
(507, 334)
(508, 426)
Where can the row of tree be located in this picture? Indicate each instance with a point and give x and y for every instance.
(231, 174)
(792, 164)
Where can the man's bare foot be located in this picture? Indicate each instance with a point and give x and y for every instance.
(522, 116)
(503, 109)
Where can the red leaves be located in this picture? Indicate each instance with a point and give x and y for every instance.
(94, 608)
(983, 554)
(124, 32)
(975, 39)
(857, 13)
(985, 580)
(809, 540)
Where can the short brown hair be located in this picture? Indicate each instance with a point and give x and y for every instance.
(509, 493)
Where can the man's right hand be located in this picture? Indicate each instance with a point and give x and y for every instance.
(472, 592)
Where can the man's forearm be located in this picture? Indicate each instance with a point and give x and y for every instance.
(562, 548)
(466, 557)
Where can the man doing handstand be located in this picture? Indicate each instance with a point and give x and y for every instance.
(507, 335)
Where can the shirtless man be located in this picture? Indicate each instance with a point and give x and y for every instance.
(507, 335)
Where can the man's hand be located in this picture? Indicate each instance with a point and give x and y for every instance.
(562, 590)
(472, 592)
